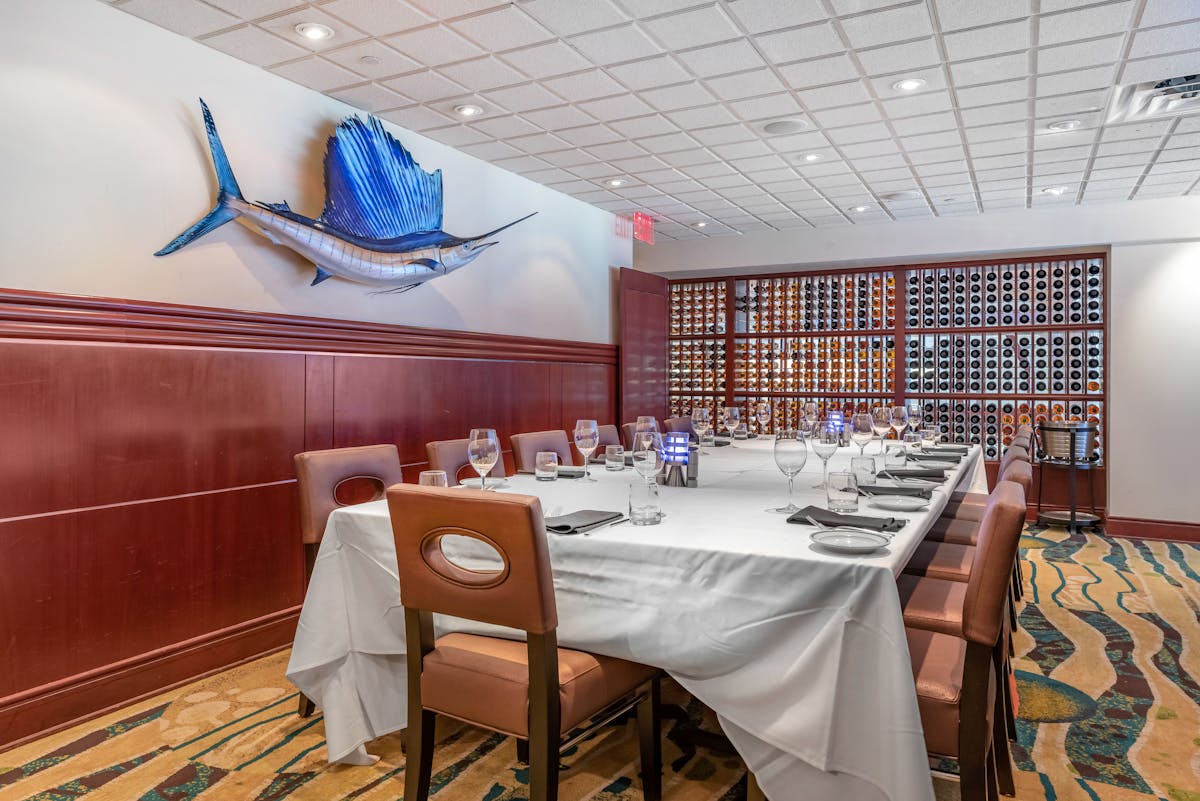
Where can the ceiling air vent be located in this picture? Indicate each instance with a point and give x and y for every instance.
(1141, 101)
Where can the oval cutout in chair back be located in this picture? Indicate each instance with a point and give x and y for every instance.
(358, 489)
(464, 557)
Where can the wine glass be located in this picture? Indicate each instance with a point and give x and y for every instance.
(812, 416)
(825, 445)
(881, 423)
(732, 418)
(899, 420)
(762, 413)
(701, 422)
(791, 453)
(646, 423)
(916, 413)
(647, 454)
(587, 439)
(483, 450)
(861, 431)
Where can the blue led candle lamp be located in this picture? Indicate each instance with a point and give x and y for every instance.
(675, 456)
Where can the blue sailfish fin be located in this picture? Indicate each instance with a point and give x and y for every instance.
(429, 263)
(320, 276)
(374, 189)
(276, 206)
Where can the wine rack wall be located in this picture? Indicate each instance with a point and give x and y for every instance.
(985, 346)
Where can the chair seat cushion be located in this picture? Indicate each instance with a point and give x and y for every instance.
(485, 681)
(961, 532)
(938, 661)
(966, 506)
(932, 604)
(942, 560)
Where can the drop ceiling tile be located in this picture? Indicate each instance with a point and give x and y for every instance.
(993, 93)
(722, 59)
(886, 161)
(490, 151)
(1084, 23)
(584, 86)
(686, 158)
(651, 125)
(741, 149)
(614, 45)
(596, 171)
(615, 150)
(377, 17)
(447, 9)
(1161, 41)
(793, 45)
(746, 84)
(1152, 69)
(559, 117)
(186, 17)
(692, 28)
(936, 155)
(373, 97)
(381, 60)
(955, 14)
(1183, 140)
(847, 115)
(538, 143)
(1000, 147)
(458, 135)
(1146, 146)
(524, 98)
(929, 141)
(918, 104)
(891, 25)
(668, 143)
(417, 118)
(1136, 130)
(820, 171)
(253, 9)
(284, 26)
(993, 115)
(1078, 106)
(769, 15)
(708, 117)
(569, 158)
(1075, 81)
(860, 133)
(672, 98)
(867, 149)
(841, 94)
(1163, 12)
(589, 135)
(255, 46)
(942, 172)
(820, 71)
(506, 127)
(616, 108)
(316, 73)
(1072, 153)
(990, 70)
(425, 87)
(567, 19)
(1115, 173)
(482, 73)
(902, 58)
(502, 29)
(928, 123)
(433, 46)
(983, 163)
(1080, 54)
(524, 164)
(1005, 38)
(767, 106)
(546, 60)
(806, 141)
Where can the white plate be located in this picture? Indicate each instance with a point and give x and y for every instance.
(899, 503)
(492, 483)
(854, 542)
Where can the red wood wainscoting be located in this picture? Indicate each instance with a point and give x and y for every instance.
(148, 519)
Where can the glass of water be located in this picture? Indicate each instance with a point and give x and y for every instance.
(644, 509)
(614, 457)
(432, 478)
(545, 466)
(863, 468)
(841, 492)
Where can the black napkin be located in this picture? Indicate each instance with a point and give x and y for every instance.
(581, 521)
(879, 489)
(927, 473)
(936, 457)
(828, 518)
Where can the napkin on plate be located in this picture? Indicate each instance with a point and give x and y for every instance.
(927, 473)
(581, 521)
(828, 518)
(880, 489)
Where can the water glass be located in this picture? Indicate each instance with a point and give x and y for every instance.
(545, 466)
(432, 478)
(930, 436)
(841, 493)
(863, 468)
(647, 454)
(614, 457)
(483, 451)
(791, 454)
(644, 509)
(895, 456)
(912, 439)
(881, 423)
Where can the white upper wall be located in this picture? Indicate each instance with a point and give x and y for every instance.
(104, 161)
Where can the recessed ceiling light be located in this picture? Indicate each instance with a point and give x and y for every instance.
(859, 209)
(314, 31)
(908, 84)
(1064, 125)
(701, 224)
(789, 126)
(1055, 190)
(811, 157)
(468, 110)
(615, 182)
(373, 61)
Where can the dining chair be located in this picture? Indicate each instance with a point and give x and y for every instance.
(975, 616)
(959, 522)
(959, 661)
(965, 504)
(525, 448)
(329, 479)
(532, 690)
(609, 435)
(682, 424)
(450, 455)
(627, 432)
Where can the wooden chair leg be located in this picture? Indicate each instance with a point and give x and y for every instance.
(991, 790)
(753, 791)
(418, 764)
(307, 706)
(1001, 757)
(543, 766)
(650, 743)
(523, 751)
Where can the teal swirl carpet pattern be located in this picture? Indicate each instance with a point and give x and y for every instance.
(1107, 667)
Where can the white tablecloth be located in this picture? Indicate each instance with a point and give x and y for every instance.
(801, 653)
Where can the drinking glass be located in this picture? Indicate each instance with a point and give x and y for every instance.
(841, 492)
(762, 413)
(930, 436)
(912, 439)
(791, 453)
(701, 422)
(812, 416)
(644, 509)
(646, 423)
(647, 454)
(863, 468)
(881, 423)
(916, 412)
(432, 478)
(587, 439)
(732, 418)
(545, 466)
(614, 457)
(483, 450)
(825, 445)
(899, 419)
(861, 431)
(895, 456)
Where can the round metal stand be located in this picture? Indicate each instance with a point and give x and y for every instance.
(1071, 518)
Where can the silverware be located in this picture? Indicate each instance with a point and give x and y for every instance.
(823, 527)
(606, 525)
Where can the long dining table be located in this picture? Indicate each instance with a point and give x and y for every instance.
(800, 652)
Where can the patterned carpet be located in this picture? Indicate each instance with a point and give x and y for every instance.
(1108, 668)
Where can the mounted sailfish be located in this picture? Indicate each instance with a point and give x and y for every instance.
(382, 223)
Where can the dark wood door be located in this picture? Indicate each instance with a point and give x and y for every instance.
(645, 315)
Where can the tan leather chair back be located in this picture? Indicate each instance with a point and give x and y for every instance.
(682, 424)
(1021, 441)
(450, 455)
(609, 435)
(1020, 473)
(525, 448)
(321, 473)
(520, 595)
(1013, 453)
(627, 432)
(991, 569)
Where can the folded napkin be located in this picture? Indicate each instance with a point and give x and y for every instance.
(935, 457)
(581, 521)
(570, 471)
(928, 473)
(950, 448)
(880, 489)
(828, 518)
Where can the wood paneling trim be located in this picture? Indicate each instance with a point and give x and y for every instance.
(37, 315)
(1142, 528)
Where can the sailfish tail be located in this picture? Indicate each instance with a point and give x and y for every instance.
(227, 187)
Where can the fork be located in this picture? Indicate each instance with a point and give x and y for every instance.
(824, 527)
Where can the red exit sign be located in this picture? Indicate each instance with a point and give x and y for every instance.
(643, 228)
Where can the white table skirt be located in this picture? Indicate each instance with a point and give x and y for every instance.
(800, 652)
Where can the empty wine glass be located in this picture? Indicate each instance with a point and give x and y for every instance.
(861, 431)
(483, 451)
(646, 423)
(791, 454)
(587, 439)
(825, 445)
(899, 420)
(812, 416)
(916, 413)
(762, 413)
(881, 422)
(732, 418)
(647, 454)
(701, 422)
